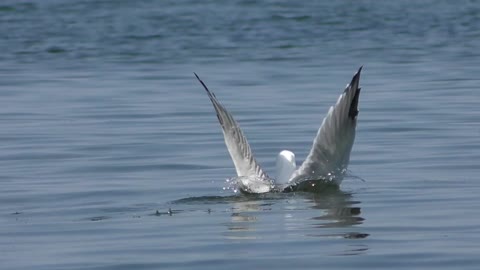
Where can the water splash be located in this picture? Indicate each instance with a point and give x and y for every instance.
(254, 185)
(231, 184)
(249, 184)
(350, 175)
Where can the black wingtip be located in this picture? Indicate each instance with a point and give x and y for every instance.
(212, 97)
(203, 84)
(353, 111)
(356, 78)
(198, 78)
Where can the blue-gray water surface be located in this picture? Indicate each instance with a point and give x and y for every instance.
(111, 156)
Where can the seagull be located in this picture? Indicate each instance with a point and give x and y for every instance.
(327, 160)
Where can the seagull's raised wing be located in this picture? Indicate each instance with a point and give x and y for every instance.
(237, 144)
(330, 153)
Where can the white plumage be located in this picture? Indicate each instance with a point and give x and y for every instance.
(328, 159)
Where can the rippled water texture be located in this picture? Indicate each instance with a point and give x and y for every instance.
(111, 156)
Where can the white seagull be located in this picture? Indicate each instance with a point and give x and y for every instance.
(328, 159)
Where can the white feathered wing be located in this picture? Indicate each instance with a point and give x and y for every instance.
(330, 154)
(251, 176)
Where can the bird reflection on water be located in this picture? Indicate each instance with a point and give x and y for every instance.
(314, 209)
(328, 213)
